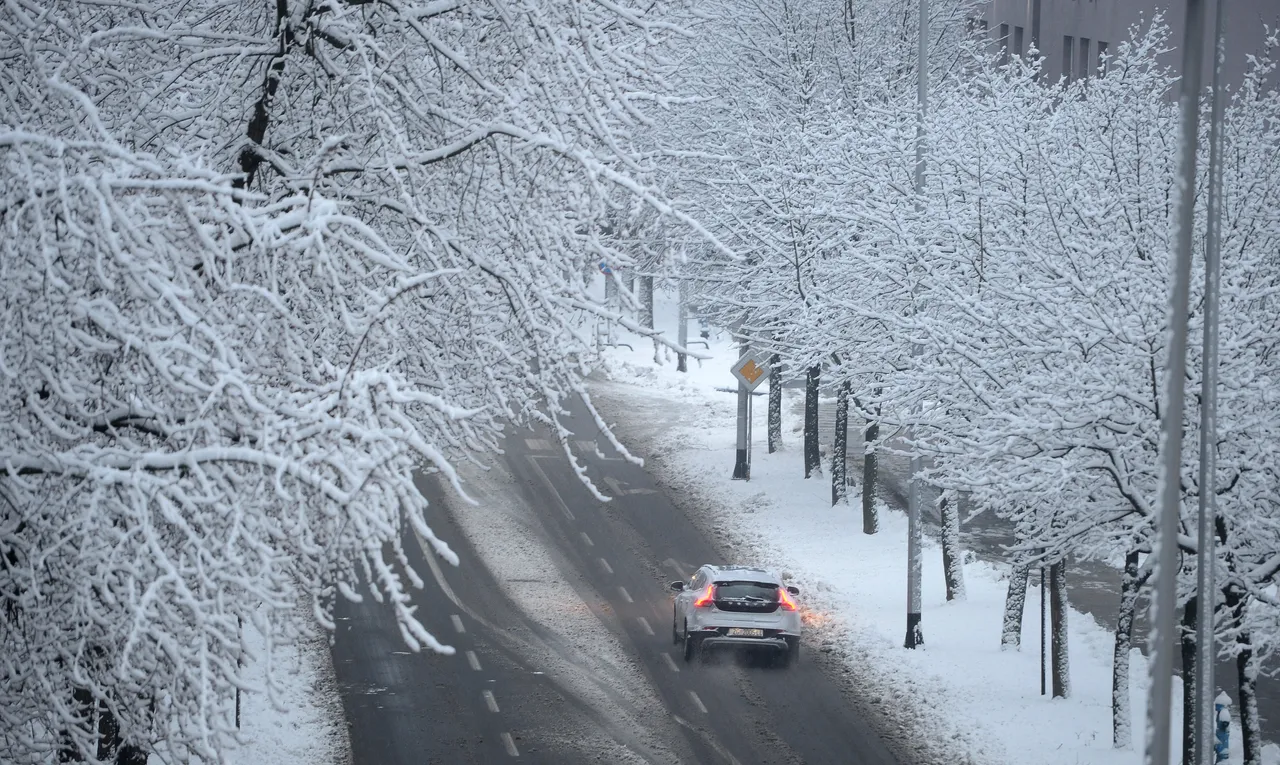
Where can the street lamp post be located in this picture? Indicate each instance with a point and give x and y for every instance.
(915, 634)
(1205, 717)
(1165, 571)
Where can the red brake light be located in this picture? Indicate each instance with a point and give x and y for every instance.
(785, 602)
(704, 600)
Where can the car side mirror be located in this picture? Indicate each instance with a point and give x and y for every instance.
(677, 586)
(793, 590)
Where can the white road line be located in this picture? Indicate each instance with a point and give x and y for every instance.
(587, 539)
(491, 702)
(670, 662)
(645, 624)
(564, 508)
(697, 702)
(605, 564)
(457, 624)
(711, 740)
(625, 595)
(538, 444)
(510, 744)
(473, 660)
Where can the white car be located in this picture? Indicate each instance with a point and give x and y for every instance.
(736, 606)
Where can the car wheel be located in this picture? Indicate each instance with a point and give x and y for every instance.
(675, 634)
(792, 654)
(690, 644)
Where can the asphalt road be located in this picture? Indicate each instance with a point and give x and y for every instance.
(490, 704)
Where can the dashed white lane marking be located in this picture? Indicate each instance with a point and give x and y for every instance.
(510, 744)
(697, 702)
(711, 740)
(625, 595)
(671, 663)
(605, 565)
(457, 624)
(490, 701)
(473, 660)
(538, 444)
(644, 623)
(587, 539)
(564, 508)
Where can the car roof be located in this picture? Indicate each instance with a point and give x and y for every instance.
(742, 574)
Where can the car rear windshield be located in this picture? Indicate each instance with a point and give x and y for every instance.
(747, 591)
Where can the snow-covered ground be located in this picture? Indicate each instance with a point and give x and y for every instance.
(982, 704)
(295, 719)
(303, 723)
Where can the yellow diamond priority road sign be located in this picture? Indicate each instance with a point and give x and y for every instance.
(750, 371)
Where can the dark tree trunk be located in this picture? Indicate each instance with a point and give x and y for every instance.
(1015, 602)
(1121, 713)
(82, 700)
(840, 449)
(682, 332)
(1247, 676)
(108, 733)
(870, 474)
(1058, 631)
(131, 755)
(1250, 722)
(646, 301)
(775, 404)
(952, 555)
(1187, 641)
(250, 158)
(812, 454)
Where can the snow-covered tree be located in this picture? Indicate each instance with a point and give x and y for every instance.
(260, 262)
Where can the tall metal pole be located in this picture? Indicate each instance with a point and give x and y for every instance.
(1205, 558)
(1165, 571)
(915, 635)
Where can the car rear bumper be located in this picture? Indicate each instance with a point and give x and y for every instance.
(715, 641)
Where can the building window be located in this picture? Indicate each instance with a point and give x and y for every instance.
(1017, 41)
(1004, 44)
(1068, 49)
(1086, 63)
(1102, 58)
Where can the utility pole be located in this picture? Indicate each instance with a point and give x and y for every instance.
(915, 635)
(1165, 571)
(1205, 715)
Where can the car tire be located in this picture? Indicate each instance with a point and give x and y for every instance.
(691, 644)
(792, 654)
(675, 634)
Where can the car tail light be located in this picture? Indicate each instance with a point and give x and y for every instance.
(706, 598)
(785, 602)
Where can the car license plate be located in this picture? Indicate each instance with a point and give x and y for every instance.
(745, 632)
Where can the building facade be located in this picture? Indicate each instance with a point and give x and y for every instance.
(1073, 36)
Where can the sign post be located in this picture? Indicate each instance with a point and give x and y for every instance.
(749, 372)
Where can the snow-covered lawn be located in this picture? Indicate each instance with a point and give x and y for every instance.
(303, 723)
(982, 704)
(297, 719)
